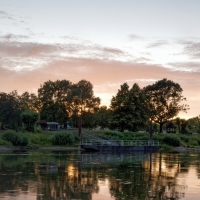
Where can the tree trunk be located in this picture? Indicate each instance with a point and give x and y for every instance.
(161, 125)
(150, 131)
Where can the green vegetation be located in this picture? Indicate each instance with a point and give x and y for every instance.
(14, 138)
(167, 141)
(164, 100)
(10, 137)
(63, 139)
(132, 110)
(29, 118)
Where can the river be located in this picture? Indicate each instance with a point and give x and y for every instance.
(59, 175)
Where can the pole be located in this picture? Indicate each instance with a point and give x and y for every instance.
(151, 132)
(79, 132)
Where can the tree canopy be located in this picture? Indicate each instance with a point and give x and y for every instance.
(164, 100)
(128, 109)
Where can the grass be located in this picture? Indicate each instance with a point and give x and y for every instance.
(167, 141)
(41, 138)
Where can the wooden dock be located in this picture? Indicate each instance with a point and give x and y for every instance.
(120, 145)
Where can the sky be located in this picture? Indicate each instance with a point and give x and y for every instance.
(107, 42)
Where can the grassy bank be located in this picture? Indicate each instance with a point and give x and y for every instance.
(69, 138)
(167, 141)
(42, 138)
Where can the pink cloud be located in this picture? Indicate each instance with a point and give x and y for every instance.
(106, 75)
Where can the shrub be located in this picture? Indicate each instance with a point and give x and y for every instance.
(185, 138)
(13, 137)
(40, 140)
(62, 139)
(29, 118)
(193, 142)
(23, 141)
(172, 140)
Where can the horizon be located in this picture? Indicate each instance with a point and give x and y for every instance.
(107, 43)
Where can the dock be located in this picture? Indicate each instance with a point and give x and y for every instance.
(120, 145)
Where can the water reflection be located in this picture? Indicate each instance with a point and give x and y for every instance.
(68, 175)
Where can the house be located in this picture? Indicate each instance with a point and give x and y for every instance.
(47, 126)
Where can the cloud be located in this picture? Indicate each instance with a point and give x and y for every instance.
(142, 59)
(158, 43)
(135, 37)
(18, 54)
(186, 66)
(192, 49)
(9, 37)
(26, 65)
(107, 75)
(6, 15)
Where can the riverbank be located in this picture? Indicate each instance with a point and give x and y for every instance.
(55, 148)
(63, 148)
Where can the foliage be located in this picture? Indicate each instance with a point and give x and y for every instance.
(14, 138)
(172, 140)
(88, 120)
(164, 101)
(40, 140)
(53, 97)
(102, 117)
(29, 102)
(29, 118)
(128, 110)
(194, 124)
(63, 139)
(82, 100)
(9, 109)
(4, 143)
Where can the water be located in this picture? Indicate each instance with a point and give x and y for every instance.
(59, 175)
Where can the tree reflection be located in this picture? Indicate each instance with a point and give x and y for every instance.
(68, 175)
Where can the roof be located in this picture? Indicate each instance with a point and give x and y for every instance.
(51, 123)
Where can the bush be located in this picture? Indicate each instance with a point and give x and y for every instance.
(23, 141)
(63, 139)
(13, 137)
(40, 140)
(172, 140)
(185, 138)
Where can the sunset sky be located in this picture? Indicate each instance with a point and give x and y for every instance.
(107, 42)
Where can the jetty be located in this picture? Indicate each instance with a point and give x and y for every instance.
(119, 145)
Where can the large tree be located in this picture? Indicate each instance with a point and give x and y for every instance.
(53, 96)
(81, 98)
(29, 101)
(128, 108)
(10, 109)
(164, 101)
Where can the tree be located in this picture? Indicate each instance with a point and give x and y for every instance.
(120, 109)
(29, 102)
(29, 118)
(102, 117)
(194, 124)
(164, 101)
(138, 108)
(10, 109)
(53, 96)
(81, 99)
(128, 108)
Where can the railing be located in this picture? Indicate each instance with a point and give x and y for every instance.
(121, 143)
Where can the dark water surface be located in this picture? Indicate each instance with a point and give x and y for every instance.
(60, 175)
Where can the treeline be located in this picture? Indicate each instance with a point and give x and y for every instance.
(62, 101)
